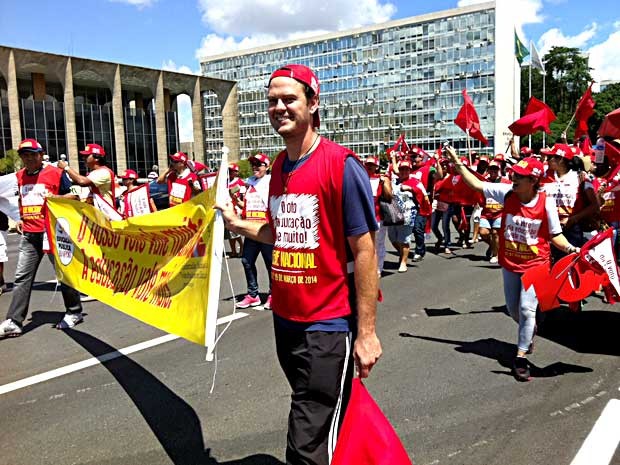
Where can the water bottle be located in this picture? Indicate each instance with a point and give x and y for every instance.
(599, 150)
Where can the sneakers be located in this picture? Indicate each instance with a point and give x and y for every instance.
(3, 288)
(447, 250)
(8, 328)
(493, 260)
(521, 369)
(418, 258)
(267, 304)
(249, 301)
(402, 268)
(70, 320)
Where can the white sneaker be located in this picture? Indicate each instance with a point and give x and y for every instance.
(402, 268)
(418, 258)
(70, 320)
(493, 260)
(8, 328)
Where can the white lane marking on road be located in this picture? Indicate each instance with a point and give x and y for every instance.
(600, 445)
(14, 386)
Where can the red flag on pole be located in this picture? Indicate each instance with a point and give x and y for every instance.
(538, 116)
(366, 436)
(585, 109)
(467, 119)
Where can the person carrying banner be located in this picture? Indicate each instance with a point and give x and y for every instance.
(182, 183)
(324, 268)
(136, 200)
(529, 224)
(100, 179)
(36, 183)
(254, 208)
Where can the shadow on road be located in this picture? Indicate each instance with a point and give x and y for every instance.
(40, 318)
(587, 332)
(504, 354)
(173, 421)
(447, 311)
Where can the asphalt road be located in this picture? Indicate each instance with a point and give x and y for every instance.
(444, 379)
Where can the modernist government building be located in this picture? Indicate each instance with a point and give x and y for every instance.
(377, 82)
(404, 76)
(66, 102)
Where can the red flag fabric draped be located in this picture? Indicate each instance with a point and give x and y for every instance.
(366, 436)
(585, 109)
(463, 194)
(537, 117)
(467, 119)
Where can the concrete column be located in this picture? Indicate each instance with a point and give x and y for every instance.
(70, 128)
(38, 86)
(119, 122)
(13, 95)
(198, 123)
(167, 100)
(160, 124)
(230, 120)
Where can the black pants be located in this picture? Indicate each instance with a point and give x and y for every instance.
(319, 368)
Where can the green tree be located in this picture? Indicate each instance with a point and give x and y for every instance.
(606, 101)
(11, 162)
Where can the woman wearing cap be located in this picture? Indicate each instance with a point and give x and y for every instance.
(236, 190)
(400, 236)
(182, 182)
(575, 198)
(529, 224)
(136, 200)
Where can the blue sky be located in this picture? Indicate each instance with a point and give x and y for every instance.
(172, 34)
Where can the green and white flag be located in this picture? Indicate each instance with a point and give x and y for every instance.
(520, 50)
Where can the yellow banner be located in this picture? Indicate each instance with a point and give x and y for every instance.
(156, 268)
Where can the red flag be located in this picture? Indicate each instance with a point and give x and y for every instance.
(586, 146)
(366, 436)
(463, 194)
(612, 153)
(537, 117)
(467, 119)
(585, 109)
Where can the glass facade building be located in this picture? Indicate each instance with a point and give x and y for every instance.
(403, 77)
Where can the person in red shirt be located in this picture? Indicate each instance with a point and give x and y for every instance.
(381, 186)
(324, 271)
(236, 191)
(36, 183)
(183, 184)
(529, 224)
(136, 200)
(491, 215)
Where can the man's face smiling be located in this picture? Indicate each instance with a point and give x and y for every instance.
(290, 113)
(32, 160)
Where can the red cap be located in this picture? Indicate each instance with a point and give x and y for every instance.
(304, 75)
(525, 150)
(179, 156)
(465, 161)
(529, 167)
(129, 174)
(233, 167)
(499, 157)
(371, 161)
(546, 151)
(261, 158)
(93, 149)
(563, 150)
(404, 163)
(29, 145)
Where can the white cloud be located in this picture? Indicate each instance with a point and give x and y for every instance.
(605, 58)
(246, 24)
(184, 103)
(524, 12)
(555, 37)
(139, 3)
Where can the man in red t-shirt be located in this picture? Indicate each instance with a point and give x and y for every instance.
(36, 183)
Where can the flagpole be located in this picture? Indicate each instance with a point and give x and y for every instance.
(529, 136)
(468, 147)
(544, 75)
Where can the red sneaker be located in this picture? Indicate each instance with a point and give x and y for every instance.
(249, 301)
